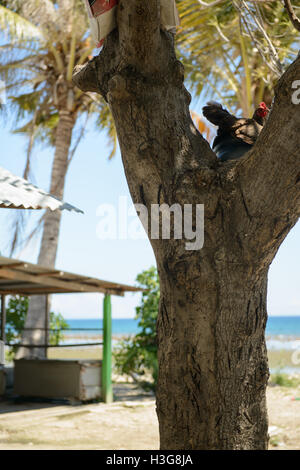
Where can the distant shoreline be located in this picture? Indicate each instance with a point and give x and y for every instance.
(277, 326)
(286, 343)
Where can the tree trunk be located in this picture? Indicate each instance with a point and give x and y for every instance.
(213, 368)
(212, 358)
(36, 312)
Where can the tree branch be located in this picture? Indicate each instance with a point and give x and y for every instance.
(139, 31)
(212, 4)
(270, 174)
(138, 52)
(293, 17)
(164, 154)
(165, 157)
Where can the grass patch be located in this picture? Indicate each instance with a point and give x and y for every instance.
(284, 380)
(274, 441)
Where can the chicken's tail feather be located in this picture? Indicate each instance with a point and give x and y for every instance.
(217, 115)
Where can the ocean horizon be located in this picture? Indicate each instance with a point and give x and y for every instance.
(282, 332)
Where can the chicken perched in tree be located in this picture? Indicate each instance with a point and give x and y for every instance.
(235, 136)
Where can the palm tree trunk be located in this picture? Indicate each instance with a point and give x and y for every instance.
(47, 256)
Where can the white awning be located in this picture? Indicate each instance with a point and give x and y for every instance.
(17, 193)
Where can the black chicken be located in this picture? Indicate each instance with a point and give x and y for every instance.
(235, 135)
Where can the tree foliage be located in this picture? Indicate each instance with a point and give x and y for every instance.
(39, 46)
(235, 51)
(137, 355)
(15, 321)
(15, 317)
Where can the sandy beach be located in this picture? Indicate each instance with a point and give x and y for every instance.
(129, 423)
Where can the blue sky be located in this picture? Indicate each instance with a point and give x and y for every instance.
(93, 180)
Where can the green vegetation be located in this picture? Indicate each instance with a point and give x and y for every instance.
(284, 380)
(16, 314)
(274, 441)
(137, 355)
(57, 324)
(15, 317)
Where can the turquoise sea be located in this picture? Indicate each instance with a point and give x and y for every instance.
(281, 332)
(120, 326)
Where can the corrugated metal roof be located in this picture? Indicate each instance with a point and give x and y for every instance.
(17, 193)
(20, 277)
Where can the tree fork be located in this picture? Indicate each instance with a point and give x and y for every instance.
(212, 356)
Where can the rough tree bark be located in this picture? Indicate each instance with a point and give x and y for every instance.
(213, 366)
(36, 312)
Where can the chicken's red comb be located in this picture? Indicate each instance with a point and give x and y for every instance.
(263, 105)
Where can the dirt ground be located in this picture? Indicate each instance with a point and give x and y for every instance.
(127, 424)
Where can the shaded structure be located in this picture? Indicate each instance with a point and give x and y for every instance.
(18, 193)
(27, 279)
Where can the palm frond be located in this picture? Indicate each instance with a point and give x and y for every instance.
(223, 60)
(18, 28)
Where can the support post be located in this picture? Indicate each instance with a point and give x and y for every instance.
(2, 331)
(106, 385)
(3, 318)
(46, 324)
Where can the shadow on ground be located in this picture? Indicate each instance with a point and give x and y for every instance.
(122, 392)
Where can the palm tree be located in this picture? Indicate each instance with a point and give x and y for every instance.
(44, 41)
(238, 49)
(47, 38)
